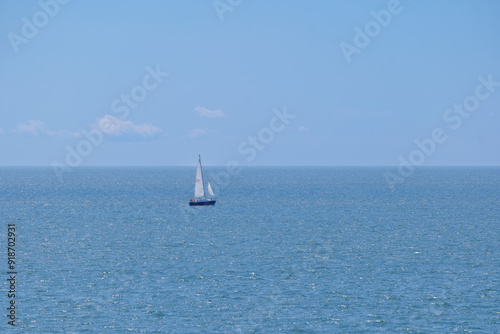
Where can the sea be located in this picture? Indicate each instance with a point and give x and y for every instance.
(284, 250)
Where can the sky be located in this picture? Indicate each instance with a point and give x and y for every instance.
(251, 83)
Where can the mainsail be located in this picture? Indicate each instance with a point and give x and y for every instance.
(198, 187)
(210, 191)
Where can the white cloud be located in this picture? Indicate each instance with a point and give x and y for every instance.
(117, 129)
(197, 132)
(304, 129)
(34, 128)
(2, 132)
(204, 112)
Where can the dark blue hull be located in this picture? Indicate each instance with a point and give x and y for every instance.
(202, 202)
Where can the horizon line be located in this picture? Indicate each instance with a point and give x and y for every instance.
(222, 166)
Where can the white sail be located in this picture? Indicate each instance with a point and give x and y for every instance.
(198, 187)
(210, 191)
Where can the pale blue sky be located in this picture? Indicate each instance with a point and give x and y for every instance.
(226, 77)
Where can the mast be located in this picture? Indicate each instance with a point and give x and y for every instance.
(202, 178)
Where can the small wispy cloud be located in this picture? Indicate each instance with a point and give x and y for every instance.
(2, 132)
(197, 132)
(304, 129)
(117, 129)
(34, 128)
(204, 112)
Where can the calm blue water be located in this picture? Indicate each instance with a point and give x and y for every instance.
(297, 250)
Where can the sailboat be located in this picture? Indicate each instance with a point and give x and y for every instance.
(199, 189)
